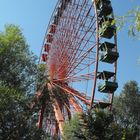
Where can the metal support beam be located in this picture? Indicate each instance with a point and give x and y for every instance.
(76, 106)
(41, 114)
(58, 115)
(74, 93)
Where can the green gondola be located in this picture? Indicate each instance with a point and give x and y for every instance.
(110, 54)
(109, 57)
(107, 29)
(104, 8)
(108, 87)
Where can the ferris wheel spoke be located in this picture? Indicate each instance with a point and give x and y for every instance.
(82, 77)
(73, 49)
(69, 23)
(77, 45)
(73, 58)
(81, 58)
(73, 92)
(75, 104)
(58, 115)
(82, 69)
(80, 52)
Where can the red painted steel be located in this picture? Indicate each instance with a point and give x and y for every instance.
(76, 105)
(46, 48)
(44, 57)
(71, 49)
(97, 56)
(52, 29)
(41, 113)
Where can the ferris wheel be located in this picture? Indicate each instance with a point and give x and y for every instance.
(80, 54)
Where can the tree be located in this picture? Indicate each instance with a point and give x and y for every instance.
(93, 125)
(132, 18)
(17, 120)
(41, 76)
(17, 82)
(18, 66)
(126, 109)
(72, 129)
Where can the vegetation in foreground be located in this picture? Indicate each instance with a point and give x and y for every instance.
(122, 123)
(18, 76)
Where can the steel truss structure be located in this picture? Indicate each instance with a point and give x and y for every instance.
(80, 52)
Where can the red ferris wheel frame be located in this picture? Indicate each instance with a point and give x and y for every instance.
(74, 34)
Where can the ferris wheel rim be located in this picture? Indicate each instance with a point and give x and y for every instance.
(62, 82)
(97, 46)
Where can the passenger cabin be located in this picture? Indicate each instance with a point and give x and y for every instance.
(44, 57)
(64, 3)
(55, 19)
(46, 48)
(102, 105)
(49, 38)
(52, 28)
(109, 53)
(57, 15)
(61, 7)
(104, 8)
(59, 11)
(106, 29)
(107, 86)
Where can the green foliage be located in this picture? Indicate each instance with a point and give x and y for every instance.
(126, 109)
(41, 76)
(102, 126)
(132, 20)
(17, 82)
(120, 124)
(17, 121)
(93, 125)
(72, 130)
(18, 66)
(105, 25)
